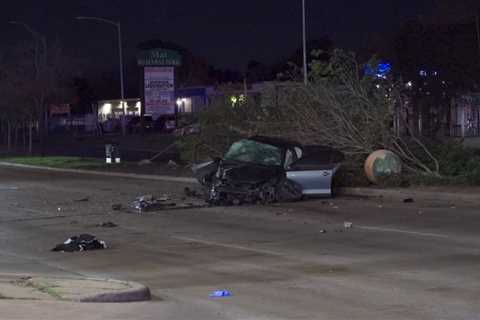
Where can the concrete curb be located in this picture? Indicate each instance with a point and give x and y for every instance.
(137, 293)
(105, 174)
(14, 287)
(401, 194)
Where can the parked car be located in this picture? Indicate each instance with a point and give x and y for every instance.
(191, 129)
(165, 123)
(134, 125)
(264, 169)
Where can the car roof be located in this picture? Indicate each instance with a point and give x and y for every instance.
(278, 142)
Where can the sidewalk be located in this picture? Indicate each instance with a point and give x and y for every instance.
(20, 287)
(445, 193)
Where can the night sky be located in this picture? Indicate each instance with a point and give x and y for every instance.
(227, 33)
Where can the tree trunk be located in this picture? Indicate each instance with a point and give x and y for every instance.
(9, 136)
(43, 131)
(15, 139)
(30, 137)
(24, 135)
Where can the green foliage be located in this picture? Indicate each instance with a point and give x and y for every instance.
(220, 125)
(350, 175)
(460, 162)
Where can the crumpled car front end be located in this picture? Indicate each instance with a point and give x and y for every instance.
(266, 170)
(237, 183)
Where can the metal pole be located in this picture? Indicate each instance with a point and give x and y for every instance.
(304, 26)
(120, 55)
(477, 22)
(122, 85)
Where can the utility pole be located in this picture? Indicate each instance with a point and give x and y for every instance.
(120, 56)
(122, 83)
(477, 23)
(304, 27)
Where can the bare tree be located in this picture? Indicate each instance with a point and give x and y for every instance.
(35, 75)
(344, 108)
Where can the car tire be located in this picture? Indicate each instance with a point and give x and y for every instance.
(268, 194)
(289, 191)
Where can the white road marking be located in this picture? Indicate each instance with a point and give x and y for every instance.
(8, 188)
(416, 233)
(269, 252)
(229, 246)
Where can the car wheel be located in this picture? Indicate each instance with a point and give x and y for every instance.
(268, 194)
(289, 191)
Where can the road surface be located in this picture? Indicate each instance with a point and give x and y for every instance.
(289, 261)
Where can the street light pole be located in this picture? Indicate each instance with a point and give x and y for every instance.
(477, 23)
(120, 56)
(304, 27)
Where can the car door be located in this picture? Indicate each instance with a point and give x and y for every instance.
(312, 174)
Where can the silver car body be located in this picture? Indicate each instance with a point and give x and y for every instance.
(314, 182)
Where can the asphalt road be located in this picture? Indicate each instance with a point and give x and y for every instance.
(398, 261)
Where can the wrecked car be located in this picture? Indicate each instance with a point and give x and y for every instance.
(266, 170)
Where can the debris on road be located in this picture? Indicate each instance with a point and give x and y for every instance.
(408, 200)
(164, 198)
(193, 193)
(145, 162)
(82, 242)
(146, 198)
(108, 224)
(144, 203)
(149, 203)
(220, 294)
(333, 205)
(347, 225)
(172, 164)
(117, 207)
(323, 231)
(85, 199)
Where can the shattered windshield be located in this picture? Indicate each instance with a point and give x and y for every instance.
(254, 152)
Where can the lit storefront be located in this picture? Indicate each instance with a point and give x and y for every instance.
(113, 109)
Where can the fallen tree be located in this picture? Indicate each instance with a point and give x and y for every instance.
(341, 107)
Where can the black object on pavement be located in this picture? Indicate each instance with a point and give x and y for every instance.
(193, 193)
(82, 242)
(85, 199)
(116, 207)
(108, 224)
